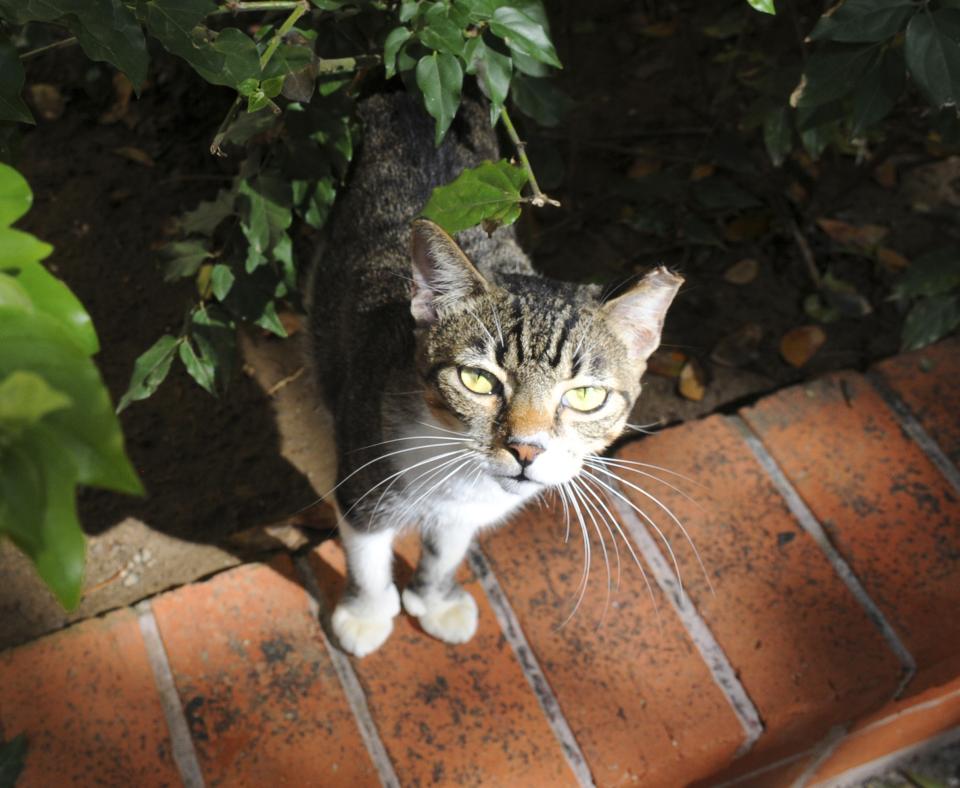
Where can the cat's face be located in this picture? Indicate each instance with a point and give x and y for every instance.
(539, 374)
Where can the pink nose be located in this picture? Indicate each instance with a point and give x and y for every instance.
(525, 452)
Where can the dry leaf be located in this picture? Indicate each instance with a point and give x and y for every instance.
(748, 227)
(891, 259)
(47, 100)
(800, 344)
(693, 381)
(864, 236)
(666, 363)
(702, 171)
(886, 174)
(742, 272)
(119, 110)
(739, 348)
(641, 168)
(135, 154)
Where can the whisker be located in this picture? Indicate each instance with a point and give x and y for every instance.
(586, 558)
(411, 438)
(603, 547)
(677, 490)
(645, 516)
(412, 507)
(566, 512)
(644, 428)
(397, 476)
(606, 523)
(442, 429)
(672, 516)
(647, 465)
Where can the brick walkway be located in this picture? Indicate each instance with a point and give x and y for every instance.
(825, 642)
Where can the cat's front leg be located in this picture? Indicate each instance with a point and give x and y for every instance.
(363, 619)
(444, 609)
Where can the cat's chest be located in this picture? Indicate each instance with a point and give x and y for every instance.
(476, 502)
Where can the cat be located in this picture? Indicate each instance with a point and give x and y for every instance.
(462, 383)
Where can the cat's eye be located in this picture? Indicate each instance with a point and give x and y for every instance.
(477, 381)
(585, 398)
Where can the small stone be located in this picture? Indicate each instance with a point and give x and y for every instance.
(131, 579)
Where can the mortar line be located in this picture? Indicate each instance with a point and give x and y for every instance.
(184, 753)
(811, 525)
(912, 426)
(710, 650)
(512, 632)
(356, 698)
(822, 752)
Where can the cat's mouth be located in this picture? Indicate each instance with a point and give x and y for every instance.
(521, 483)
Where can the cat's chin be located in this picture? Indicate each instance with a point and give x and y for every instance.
(519, 486)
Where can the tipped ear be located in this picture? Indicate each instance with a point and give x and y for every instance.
(442, 274)
(637, 316)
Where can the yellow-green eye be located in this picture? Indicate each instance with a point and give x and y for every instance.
(585, 398)
(478, 381)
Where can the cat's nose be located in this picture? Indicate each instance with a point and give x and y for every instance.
(524, 452)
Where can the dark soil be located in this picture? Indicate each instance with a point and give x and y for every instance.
(646, 90)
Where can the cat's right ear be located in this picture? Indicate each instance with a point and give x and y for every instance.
(442, 274)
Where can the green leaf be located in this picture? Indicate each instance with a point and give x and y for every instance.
(490, 192)
(440, 79)
(11, 760)
(935, 273)
(864, 20)
(313, 200)
(778, 134)
(88, 429)
(150, 370)
(928, 320)
(25, 398)
(15, 195)
(12, 107)
(763, 6)
(933, 55)
(201, 370)
(834, 72)
(440, 32)
(185, 259)
(221, 279)
(13, 295)
(495, 72)
(540, 99)
(205, 218)
(215, 335)
(395, 39)
(878, 91)
(264, 215)
(524, 34)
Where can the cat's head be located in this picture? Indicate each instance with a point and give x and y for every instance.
(538, 373)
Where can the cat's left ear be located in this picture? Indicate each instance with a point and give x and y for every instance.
(442, 274)
(636, 317)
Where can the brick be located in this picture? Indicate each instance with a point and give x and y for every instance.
(451, 714)
(783, 774)
(885, 506)
(636, 693)
(258, 689)
(803, 647)
(86, 700)
(899, 726)
(926, 380)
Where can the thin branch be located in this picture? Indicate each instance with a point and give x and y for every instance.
(538, 198)
(343, 65)
(221, 134)
(237, 6)
(301, 8)
(66, 42)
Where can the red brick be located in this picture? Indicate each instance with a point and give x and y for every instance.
(86, 700)
(452, 715)
(803, 647)
(926, 381)
(896, 727)
(258, 688)
(634, 689)
(886, 507)
(778, 775)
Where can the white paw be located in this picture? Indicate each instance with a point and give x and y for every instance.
(451, 619)
(361, 627)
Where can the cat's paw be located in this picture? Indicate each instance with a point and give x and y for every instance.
(361, 627)
(451, 618)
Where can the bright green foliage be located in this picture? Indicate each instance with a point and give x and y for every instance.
(57, 426)
(488, 194)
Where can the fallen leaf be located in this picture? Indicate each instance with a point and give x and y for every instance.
(748, 227)
(693, 381)
(886, 174)
(742, 272)
(641, 168)
(701, 171)
(800, 344)
(120, 109)
(47, 100)
(739, 348)
(666, 363)
(865, 236)
(135, 154)
(891, 259)
(844, 297)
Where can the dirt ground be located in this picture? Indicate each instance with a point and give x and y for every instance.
(215, 467)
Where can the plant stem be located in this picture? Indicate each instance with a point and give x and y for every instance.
(215, 148)
(538, 198)
(237, 6)
(66, 42)
(341, 65)
(299, 10)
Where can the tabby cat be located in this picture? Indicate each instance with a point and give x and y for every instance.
(461, 382)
